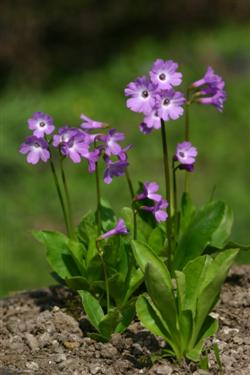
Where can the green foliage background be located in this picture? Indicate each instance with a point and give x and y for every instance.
(28, 199)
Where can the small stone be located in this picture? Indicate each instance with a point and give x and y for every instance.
(44, 339)
(108, 351)
(71, 344)
(32, 342)
(60, 358)
(116, 341)
(137, 350)
(163, 370)
(64, 322)
(94, 369)
(65, 363)
(32, 366)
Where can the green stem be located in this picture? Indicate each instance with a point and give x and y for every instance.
(132, 193)
(66, 190)
(174, 188)
(98, 198)
(100, 252)
(168, 191)
(187, 131)
(60, 196)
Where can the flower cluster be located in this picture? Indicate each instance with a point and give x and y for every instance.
(155, 97)
(156, 203)
(77, 144)
(211, 90)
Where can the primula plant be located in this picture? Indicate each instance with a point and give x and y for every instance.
(173, 253)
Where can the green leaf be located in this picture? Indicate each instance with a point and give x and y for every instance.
(78, 252)
(158, 283)
(144, 254)
(77, 283)
(188, 211)
(143, 228)
(134, 280)
(198, 234)
(156, 240)
(92, 308)
(214, 277)
(149, 317)
(87, 229)
(108, 323)
(222, 233)
(210, 328)
(58, 254)
(127, 314)
(108, 218)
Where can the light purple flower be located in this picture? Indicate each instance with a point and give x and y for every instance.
(92, 157)
(149, 191)
(153, 120)
(142, 95)
(64, 135)
(75, 148)
(36, 149)
(123, 154)
(111, 140)
(120, 228)
(158, 210)
(169, 104)
(163, 73)
(89, 124)
(186, 153)
(41, 124)
(217, 100)
(114, 169)
(212, 89)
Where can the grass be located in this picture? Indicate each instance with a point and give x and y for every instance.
(28, 197)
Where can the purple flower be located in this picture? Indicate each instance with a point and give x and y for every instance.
(123, 154)
(212, 91)
(41, 124)
(186, 154)
(89, 124)
(149, 191)
(211, 79)
(92, 157)
(144, 128)
(64, 135)
(74, 148)
(120, 228)
(169, 104)
(217, 100)
(111, 140)
(142, 95)
(158, 210)
(36, 149)
(163, 73)
(153, 119)
(114, 169)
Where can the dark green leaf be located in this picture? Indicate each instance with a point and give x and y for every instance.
(77, 283)
(198, 234)
(127, 314)
(92, 308)
(58, 254)
(156, 240)
(109, 322)
(222, 233)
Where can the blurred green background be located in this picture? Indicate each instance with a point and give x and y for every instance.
(69, 58)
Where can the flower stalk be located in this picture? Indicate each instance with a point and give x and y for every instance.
(132, 194)
(98, 198)
(168, 191)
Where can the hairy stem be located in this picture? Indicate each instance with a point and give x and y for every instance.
(168, 191)
(100, 252)
(98, 198)
(60, 196)
(66, 190)
(132, 193)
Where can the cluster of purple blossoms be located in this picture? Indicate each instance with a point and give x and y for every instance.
(212, 90)
(77, 143)
(155, 97)
(159, 204)
(186, 155)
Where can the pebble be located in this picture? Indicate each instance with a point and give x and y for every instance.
(94, 369)
(60, 358)
(32, 342)
(108, 351)
(32, 366)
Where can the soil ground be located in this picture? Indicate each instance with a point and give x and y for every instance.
(43, 332)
